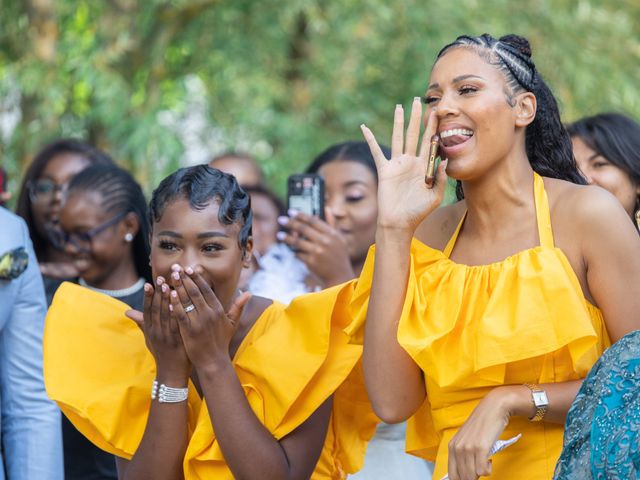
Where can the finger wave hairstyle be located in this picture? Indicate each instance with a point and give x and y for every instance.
(547, 142)
(201, 185)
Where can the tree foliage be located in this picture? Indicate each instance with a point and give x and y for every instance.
(162, 83)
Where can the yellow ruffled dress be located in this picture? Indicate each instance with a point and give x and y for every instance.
(472, 328)
(99, 371)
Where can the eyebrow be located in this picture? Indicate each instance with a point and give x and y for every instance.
(169, 233)
(459, 78)
(354, 182)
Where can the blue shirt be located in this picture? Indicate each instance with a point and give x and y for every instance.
(29, 422)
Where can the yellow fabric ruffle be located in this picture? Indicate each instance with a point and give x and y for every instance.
(99, 371)
(471, 328)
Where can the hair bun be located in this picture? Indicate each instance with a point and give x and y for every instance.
(521, 44)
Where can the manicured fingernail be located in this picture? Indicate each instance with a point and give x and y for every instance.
(147, 287)
(398, 106)
(292, 212)
(416, 99)
(175, 267)
(189, 270)
(281, 236)
(363, 126)
(174, 294)
(283, 220)
(170, 308)
(164, 288)
(175, 275)
(159, 281)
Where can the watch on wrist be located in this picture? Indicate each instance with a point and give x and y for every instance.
(539, 400)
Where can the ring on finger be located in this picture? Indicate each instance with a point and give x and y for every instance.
(189, 308)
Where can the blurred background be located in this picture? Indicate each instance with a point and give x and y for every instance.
(160, 84)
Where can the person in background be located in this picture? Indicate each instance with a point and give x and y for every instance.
(607, 150)
(242, 166)
(41, 198)
(31, 445)
(334, 252)
(103, 228)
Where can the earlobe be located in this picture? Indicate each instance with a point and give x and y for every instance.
(526, 109)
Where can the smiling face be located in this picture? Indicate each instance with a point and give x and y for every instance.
(105, 255)
(600, 171)
(351, 197)
(189, 237)
(59, 171)
(479, 121)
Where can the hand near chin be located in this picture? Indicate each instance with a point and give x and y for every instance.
(162, 334)
(469, 448)
(404, 197)
(206, 328)
(320, 246)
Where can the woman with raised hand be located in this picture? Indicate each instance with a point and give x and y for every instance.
(484, 316)
(228, 385)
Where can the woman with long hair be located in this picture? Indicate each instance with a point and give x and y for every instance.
(484, 316)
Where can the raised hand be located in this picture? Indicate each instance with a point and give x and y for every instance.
(162, 334)
(205, 327)
(404, 198)
(322, 248)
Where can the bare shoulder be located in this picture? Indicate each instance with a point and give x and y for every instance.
(440, 225)
(583, 208)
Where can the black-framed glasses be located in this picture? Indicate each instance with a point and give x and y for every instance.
(43, 190)
(81, 241)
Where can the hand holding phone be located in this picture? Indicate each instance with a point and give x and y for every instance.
(305, 193)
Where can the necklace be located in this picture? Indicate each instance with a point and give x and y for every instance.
(116, 293)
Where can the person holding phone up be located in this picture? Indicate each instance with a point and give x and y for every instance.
(334, 248)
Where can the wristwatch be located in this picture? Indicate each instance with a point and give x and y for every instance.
(539, 399)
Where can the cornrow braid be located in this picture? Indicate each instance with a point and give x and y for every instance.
(120, 194)
(547, 142)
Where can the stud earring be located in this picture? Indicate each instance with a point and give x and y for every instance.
(128, 237)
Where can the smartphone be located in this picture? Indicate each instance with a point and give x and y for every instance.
(305, 193)
(430, 174)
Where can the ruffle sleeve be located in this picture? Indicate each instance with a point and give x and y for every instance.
(291, 361)
(98, 369)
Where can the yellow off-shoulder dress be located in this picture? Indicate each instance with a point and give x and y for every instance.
(473, 328)
(99, 371)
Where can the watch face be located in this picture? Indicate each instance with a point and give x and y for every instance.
(540, 399)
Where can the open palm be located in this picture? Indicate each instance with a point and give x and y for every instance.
(404, 198)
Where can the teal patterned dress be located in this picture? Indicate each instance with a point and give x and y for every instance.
(602, 432)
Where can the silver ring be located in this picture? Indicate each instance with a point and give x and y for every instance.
(189, 308)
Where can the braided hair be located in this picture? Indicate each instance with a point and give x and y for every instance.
(547, 142)
(120, 194)
(201, 185)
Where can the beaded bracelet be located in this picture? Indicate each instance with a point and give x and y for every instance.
(166, 394)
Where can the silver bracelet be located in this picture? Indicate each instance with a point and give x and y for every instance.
(166, 394)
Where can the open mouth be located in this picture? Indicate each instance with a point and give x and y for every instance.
(454, 137)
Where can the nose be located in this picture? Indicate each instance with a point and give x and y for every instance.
(587, 174)
(446, 106)
(336, 209)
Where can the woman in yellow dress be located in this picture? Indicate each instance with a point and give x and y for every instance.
(485, 315)
(269, 397)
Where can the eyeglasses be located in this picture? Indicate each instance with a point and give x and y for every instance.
(81, 241)
(43, 191)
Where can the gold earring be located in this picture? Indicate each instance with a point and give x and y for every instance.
(638, 218)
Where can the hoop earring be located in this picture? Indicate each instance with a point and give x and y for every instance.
(638, 218)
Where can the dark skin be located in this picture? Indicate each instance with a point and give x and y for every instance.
(589, 226)
(199, 262)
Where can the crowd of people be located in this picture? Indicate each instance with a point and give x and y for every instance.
(213, 333)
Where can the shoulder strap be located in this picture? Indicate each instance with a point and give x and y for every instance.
(452, 241)
(543, 215)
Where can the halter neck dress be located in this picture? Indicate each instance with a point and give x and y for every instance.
(473, 328)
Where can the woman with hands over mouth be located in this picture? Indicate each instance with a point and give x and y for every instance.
(484, 316)
(240, 387)
(334, 249)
